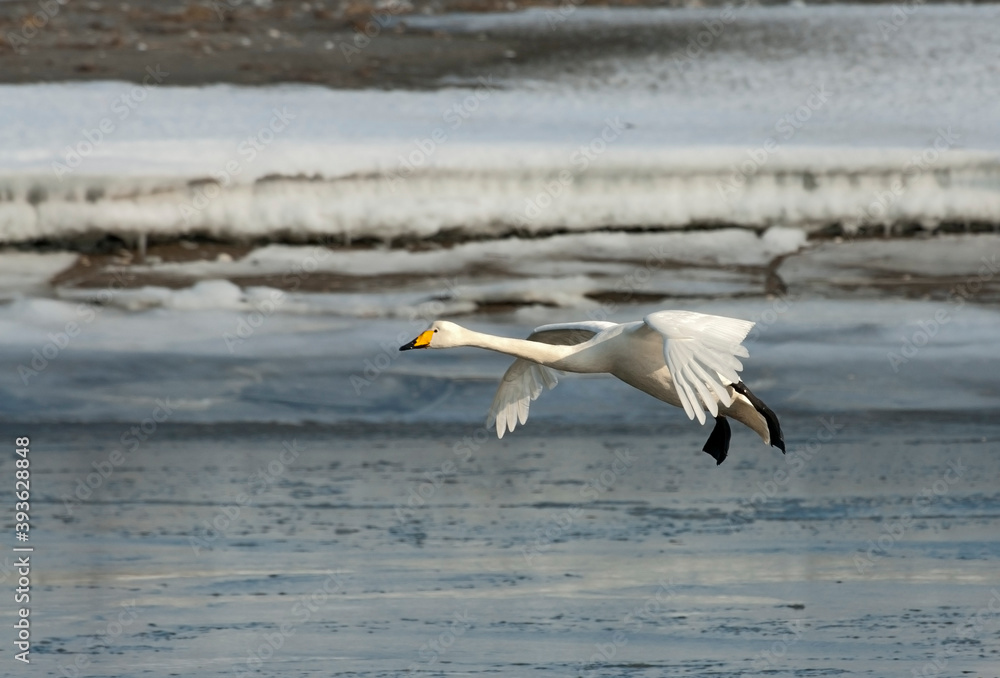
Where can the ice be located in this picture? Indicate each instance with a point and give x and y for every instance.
(624, 189)
(693, 565)
(623, 141)
(762, 550)
(956, 255)
(30, 272)
(524, 257)
(294, 366)
(960, 267)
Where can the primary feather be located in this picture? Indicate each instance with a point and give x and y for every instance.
(700, 352)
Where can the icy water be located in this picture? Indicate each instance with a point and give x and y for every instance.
(276, 521)
(593, 550)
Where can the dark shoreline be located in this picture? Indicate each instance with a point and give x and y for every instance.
(101, 244)
(335, 44)
(831, 267)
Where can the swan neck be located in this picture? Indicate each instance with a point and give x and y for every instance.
(544, 354)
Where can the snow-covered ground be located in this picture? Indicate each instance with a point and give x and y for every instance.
(834, 121)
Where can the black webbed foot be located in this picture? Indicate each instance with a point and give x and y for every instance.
(717, 444)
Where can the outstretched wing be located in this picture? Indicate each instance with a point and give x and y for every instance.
(702, 353)
(525, 380)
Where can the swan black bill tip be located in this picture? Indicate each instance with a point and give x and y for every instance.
(423, 340)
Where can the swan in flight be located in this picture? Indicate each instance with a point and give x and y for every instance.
(683, 358)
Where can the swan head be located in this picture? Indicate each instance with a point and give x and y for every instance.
(441, 334)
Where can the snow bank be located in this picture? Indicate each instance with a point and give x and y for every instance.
(798, 130)
(628, 190)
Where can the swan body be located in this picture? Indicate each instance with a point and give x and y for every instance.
(686, 359)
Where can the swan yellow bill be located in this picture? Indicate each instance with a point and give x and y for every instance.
(422, 341)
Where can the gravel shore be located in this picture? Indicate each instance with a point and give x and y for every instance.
(338, 44)
(355, 44)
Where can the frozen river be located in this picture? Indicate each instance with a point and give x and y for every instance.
(205, 514)
(587, 550)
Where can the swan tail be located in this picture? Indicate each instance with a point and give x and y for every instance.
(752, 411)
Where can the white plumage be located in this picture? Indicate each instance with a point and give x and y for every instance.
(687, 359)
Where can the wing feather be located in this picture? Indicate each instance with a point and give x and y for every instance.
(522, 406)
(525, 380)
(720, 391)
(687, 400)
(699, 385)
(702, 353)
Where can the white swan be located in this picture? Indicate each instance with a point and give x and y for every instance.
(683, 358)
